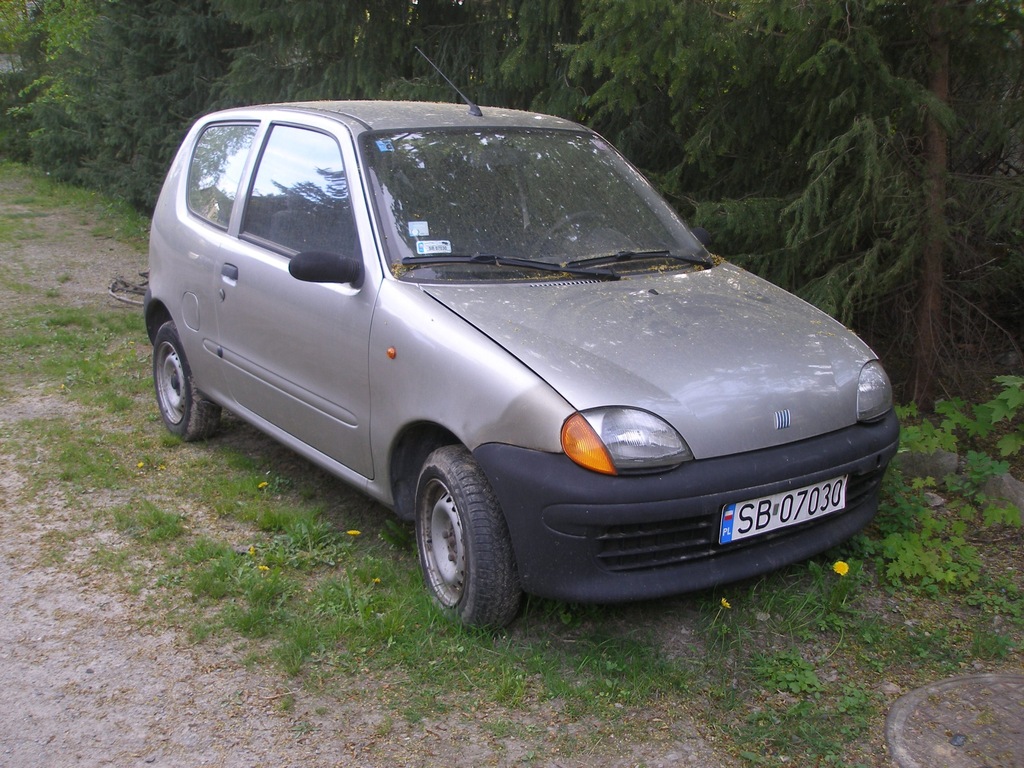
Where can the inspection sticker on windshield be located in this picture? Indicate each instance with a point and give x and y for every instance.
(419, 229)
(757, 516)
(430, 247)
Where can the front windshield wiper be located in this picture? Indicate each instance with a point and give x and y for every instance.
(656, 253)
(507, 261)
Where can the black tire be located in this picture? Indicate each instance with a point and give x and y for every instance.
(464, 546)
(185, 411)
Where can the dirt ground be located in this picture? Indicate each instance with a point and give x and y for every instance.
(91, 677)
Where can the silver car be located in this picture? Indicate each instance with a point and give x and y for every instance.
(495, 326)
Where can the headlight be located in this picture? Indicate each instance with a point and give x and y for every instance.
(874, 392)
(613, 440)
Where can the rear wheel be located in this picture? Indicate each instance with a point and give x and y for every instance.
(185, 411)
(464, 545)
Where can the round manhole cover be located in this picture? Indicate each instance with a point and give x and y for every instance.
(964, 722)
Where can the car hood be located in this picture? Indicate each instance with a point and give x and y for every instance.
(734, 363)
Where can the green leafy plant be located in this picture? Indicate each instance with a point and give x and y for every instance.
(918, 435)
(919, 545)
(929, 546)
(1006, 407)
(957, 420)
(1003, 414)
(787, 671)
(971, 498)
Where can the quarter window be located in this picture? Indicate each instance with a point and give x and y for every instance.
(216, 169)
(300, 195)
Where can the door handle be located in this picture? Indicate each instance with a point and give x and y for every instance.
(230, 271)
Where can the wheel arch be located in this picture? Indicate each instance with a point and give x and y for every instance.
(156, 314)
(410, 452)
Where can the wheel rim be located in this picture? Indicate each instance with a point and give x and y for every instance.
(444, 546)
(170, 383)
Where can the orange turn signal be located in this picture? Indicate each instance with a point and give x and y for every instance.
(582, 444)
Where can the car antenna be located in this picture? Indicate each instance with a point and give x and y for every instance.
(474, 110)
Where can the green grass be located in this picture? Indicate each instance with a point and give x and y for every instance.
(107, 218)
(148, 523)
(238, 541)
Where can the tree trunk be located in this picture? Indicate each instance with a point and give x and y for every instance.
(928, 344)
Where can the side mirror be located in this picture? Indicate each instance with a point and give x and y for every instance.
(702, 235)
(326, 267)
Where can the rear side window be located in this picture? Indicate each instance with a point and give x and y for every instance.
(300, 196)
(216, 169)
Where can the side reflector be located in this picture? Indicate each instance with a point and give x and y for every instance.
(581, 444)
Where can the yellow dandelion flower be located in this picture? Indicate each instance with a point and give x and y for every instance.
(252, 551)
(376, 580)
(263, 485)
(354, 533)
(726, 603)
(841, 567)
(263, 568)
(141, 464)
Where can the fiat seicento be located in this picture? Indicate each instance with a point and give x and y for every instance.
(492, 324)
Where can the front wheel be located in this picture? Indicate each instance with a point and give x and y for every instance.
(185, 411)
(464, 546)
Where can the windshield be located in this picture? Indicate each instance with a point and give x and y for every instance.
(481, 204)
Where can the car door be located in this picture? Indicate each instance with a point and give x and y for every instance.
(295, 353)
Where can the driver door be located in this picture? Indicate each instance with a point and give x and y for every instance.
(296, 352)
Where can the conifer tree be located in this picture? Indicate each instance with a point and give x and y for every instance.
(825, 145)
(867, 154)
(122, 81)
(503, 52)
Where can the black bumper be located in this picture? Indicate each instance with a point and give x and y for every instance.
(585, 537)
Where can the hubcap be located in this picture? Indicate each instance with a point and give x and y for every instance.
(445, 550)
(170, 383)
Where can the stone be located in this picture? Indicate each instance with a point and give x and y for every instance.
(1006, 487)
(936, 465)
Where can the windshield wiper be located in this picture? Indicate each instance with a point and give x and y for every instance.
(657, 253)
(491, 259)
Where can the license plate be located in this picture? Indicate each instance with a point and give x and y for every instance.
(754, 517)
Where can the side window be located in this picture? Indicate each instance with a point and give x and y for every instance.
(300, 197)
(216, 169)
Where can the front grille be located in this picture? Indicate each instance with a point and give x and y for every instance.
(648, 546)
(632, 547)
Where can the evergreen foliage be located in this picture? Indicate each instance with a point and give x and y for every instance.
(19, 53)
(798, 136)
(867, 154)
(504, 52)
(119, 83)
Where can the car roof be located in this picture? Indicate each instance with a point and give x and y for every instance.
(405, 115)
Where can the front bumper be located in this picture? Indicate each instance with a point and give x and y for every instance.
(585, 537)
